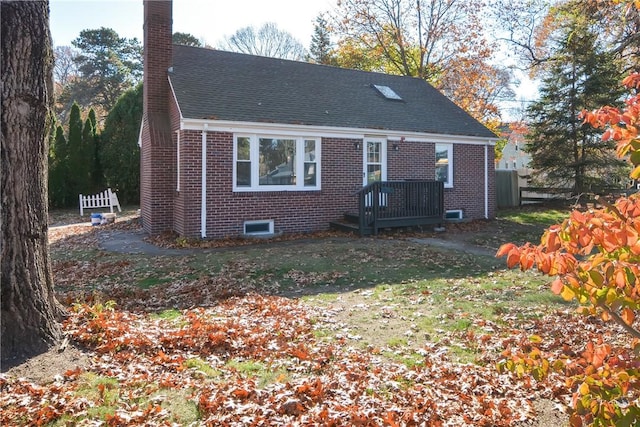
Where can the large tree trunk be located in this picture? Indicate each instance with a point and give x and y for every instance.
(29, 308)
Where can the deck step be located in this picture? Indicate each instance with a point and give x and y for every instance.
(352, 217)
(349, 227)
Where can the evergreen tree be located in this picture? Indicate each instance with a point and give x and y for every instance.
(320, 49)
(185, 39)
(74, 161)
(107, 65)
(564, 151)
(91, 144)
(77, 178)
(58, 171)
(120, 151)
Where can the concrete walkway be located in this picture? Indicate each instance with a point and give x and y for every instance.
(132, 242)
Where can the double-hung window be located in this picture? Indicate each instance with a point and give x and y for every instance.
(264, 163)
(444, 164)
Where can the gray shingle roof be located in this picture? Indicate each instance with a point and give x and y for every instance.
(214, 84)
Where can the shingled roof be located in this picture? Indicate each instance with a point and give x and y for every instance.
(219, 85)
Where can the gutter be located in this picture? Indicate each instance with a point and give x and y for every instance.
(203, 185)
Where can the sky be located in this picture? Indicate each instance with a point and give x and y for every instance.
(208, 20)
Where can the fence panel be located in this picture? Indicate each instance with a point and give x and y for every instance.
(507, 193)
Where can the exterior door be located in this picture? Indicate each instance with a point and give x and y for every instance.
(375, 164)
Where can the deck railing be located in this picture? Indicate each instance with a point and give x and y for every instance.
(400, 203)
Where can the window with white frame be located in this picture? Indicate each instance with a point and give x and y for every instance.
(264, 163)
(444, 164)
(177, 160)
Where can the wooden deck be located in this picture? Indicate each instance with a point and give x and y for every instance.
(389, 204)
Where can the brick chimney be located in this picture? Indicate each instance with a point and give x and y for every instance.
(158, 153)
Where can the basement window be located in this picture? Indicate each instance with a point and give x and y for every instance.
(453, 214)
(256, 228)
(387, 92)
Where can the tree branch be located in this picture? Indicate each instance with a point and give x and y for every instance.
(615, 316)
(611, 207)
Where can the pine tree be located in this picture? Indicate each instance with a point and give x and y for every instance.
(76, 182)
(120, 151)
(186, 39)
(320, 49)
(58, 169)
(91, 145)
(583, 75)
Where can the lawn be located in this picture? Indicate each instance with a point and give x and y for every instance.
(327, 330)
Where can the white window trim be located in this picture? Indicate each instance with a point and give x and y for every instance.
(383, 158)
(178, 160)
(254, 155)
(449, 148)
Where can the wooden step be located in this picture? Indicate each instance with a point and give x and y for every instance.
(352, 217)
(349, 227)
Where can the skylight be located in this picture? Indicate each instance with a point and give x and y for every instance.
(387, 92)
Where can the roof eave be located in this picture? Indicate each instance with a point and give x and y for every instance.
(328, 131)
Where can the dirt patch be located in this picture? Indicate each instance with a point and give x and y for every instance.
(549, 414)
(373, 321)
(45, 367)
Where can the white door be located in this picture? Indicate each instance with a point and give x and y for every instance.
(375, 164)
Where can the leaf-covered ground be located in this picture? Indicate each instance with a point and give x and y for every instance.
(333, 331)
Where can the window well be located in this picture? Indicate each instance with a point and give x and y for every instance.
(387, 92)
(258, 227)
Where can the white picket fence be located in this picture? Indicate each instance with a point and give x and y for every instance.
(106, 199)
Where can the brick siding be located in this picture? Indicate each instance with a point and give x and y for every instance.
(306, 211)
(469, 183)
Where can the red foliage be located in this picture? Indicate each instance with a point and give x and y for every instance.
(595, 258)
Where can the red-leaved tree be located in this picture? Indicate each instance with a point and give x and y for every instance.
(594, 257)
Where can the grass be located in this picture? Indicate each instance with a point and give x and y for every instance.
(261, 373)
(180, 404)
(410, 289)
(398, 296)
(543, 217)
(105, 394)
(201, 367)
(97, 388)
(149, 282)
(169, 314)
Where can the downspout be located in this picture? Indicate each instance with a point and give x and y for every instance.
(203, 185)
(486, 180)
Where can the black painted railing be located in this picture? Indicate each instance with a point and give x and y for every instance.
(400, 204)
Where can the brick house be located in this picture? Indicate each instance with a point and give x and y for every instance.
(234, 143)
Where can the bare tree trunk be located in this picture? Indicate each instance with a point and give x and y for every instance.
(29, 308)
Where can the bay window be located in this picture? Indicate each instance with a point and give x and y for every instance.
(276, 163)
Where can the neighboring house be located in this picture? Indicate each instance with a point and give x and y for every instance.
(234, 143)
(514, 157)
